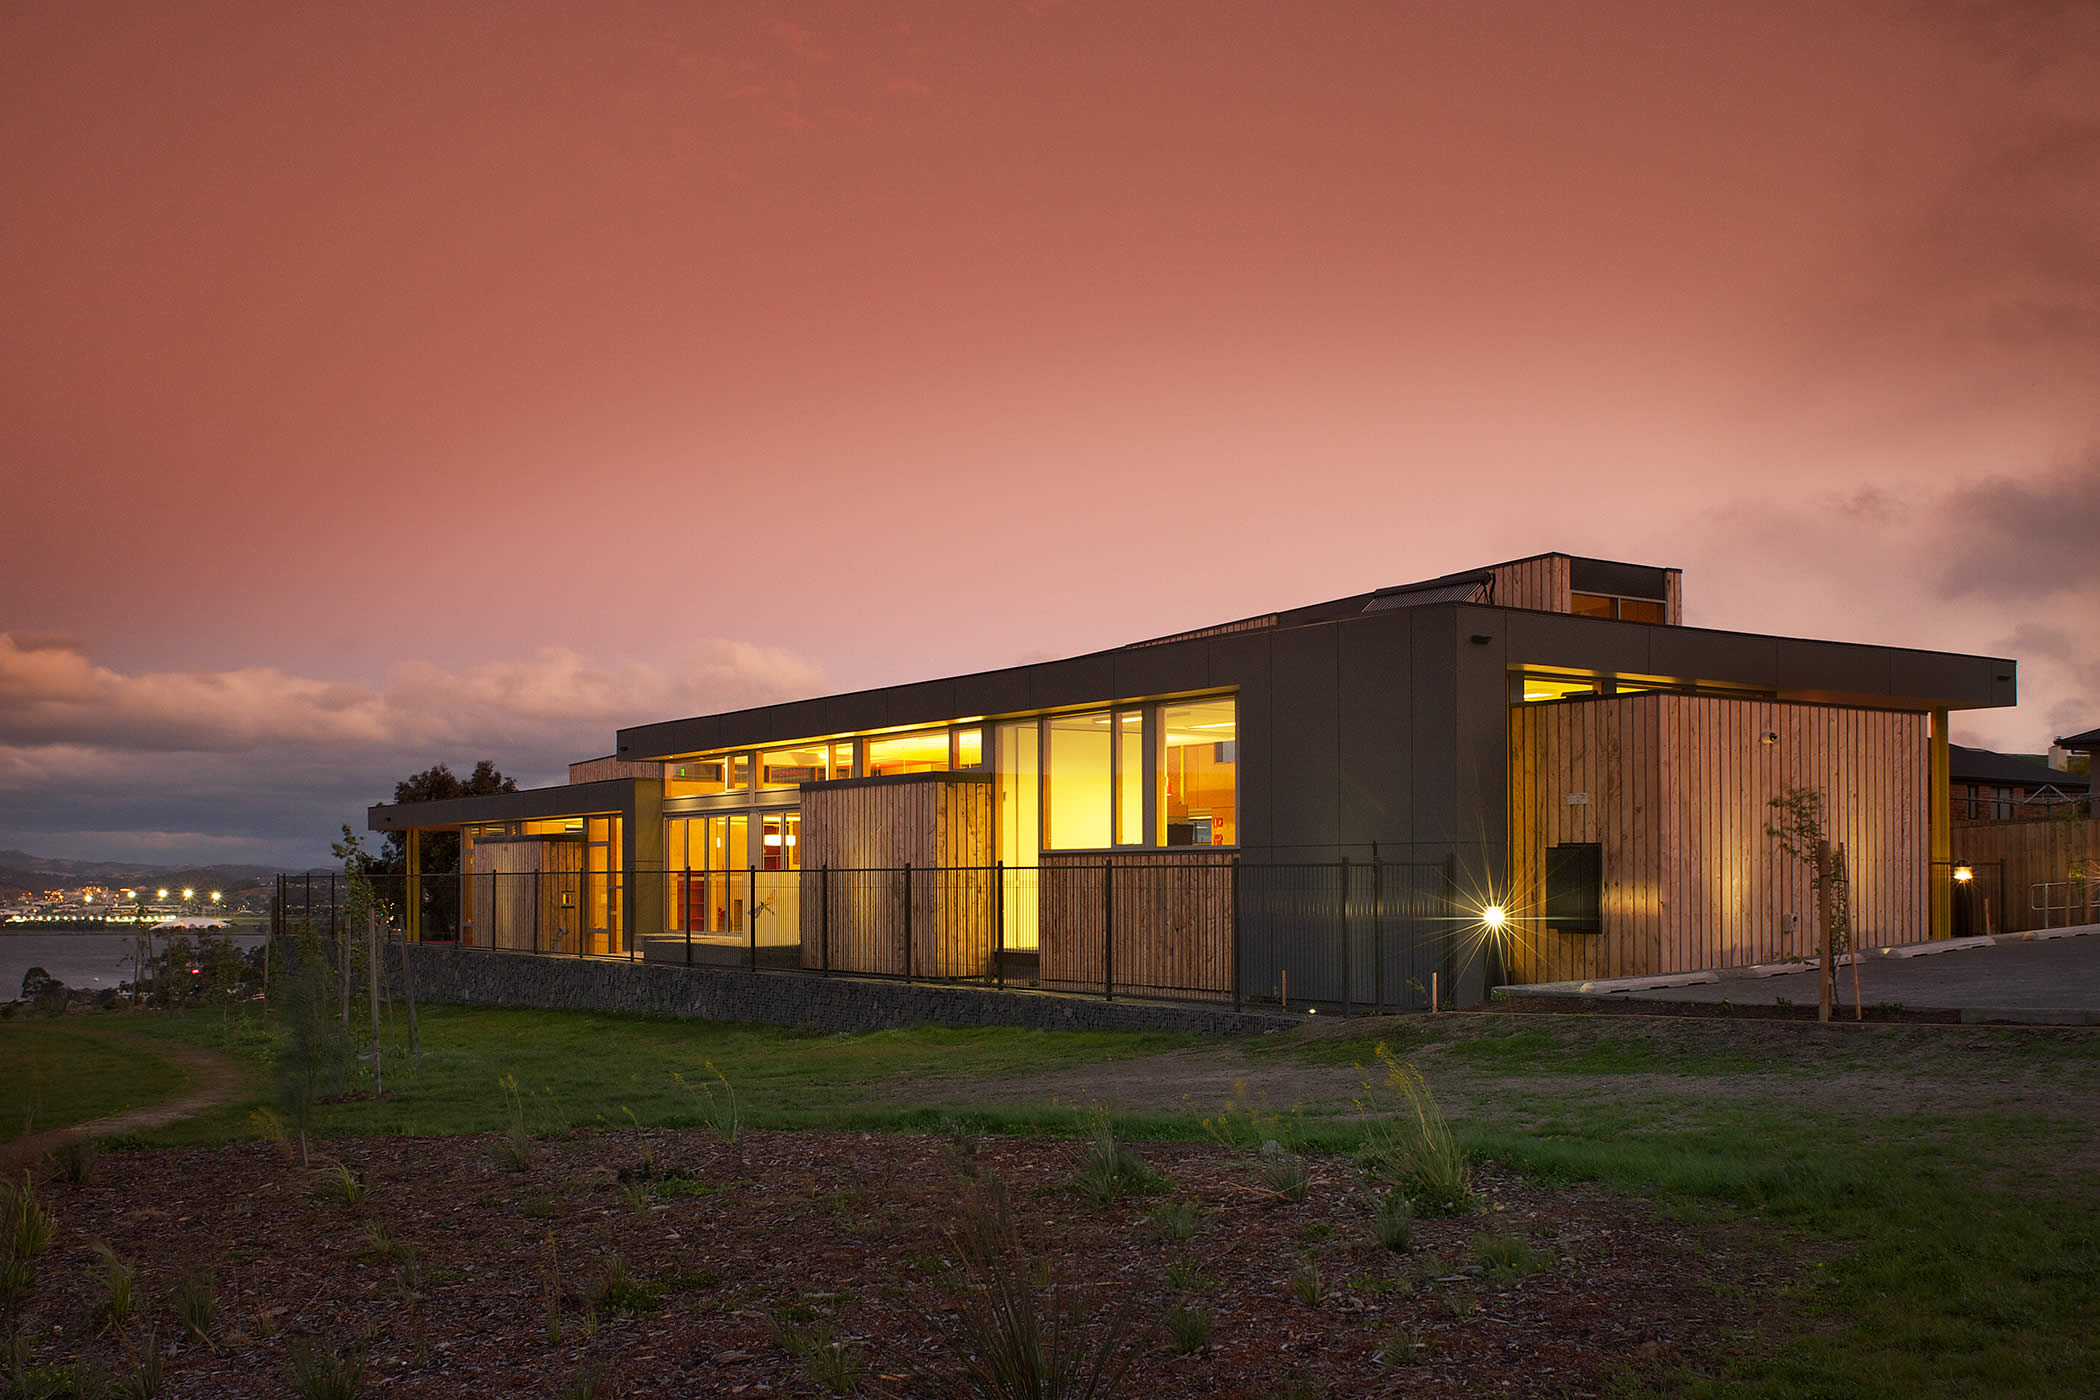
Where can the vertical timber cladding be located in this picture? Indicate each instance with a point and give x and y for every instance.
(2033, 852)
(509, 875)
(1676, 789)
(867, 830)
(1173, 923)
(1541, 583)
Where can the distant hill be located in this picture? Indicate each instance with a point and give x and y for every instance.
(20, 867)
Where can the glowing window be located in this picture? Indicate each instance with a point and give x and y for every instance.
(1198, 772)
(907, 753)
(786, 768)
(1076, 807)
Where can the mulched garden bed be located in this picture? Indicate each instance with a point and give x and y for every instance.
(723, 1241)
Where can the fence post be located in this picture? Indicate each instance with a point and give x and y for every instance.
(907, 921)
(537, 891)
(751, 912)
(1235, 930)
(824, 916)
(1378, 929)
(1108, 930)
(1345, 935)
(999, 923)
(685, 910)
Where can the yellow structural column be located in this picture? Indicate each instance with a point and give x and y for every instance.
(412, 899)
(1942, 870)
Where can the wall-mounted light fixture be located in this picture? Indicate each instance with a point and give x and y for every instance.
(1770, 736)
(1495, 917)
(1963, 874)
(1481, 639)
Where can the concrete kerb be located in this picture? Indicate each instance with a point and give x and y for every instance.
(1613, 992)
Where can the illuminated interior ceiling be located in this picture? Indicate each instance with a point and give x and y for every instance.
(1556, 688)
(1198, 722)
(910, 748)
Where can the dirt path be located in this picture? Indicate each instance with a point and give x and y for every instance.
(214, 1079)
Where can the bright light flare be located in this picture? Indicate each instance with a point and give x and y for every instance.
(1962, 874)
(1494, 918)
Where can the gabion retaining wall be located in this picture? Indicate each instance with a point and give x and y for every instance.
(482, 978)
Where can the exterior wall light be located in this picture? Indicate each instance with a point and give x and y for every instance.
(1768, 737)
(1963, 874)
(1495, 917)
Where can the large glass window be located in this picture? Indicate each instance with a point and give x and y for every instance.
(1076, 800)
(1130, 778)
(969, 748)
(786, 768)
(908, 753)
(1198, 768)
(696, 777)
(707, 864)
(1017, 752)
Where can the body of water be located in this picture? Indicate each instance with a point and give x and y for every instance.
(87, 959)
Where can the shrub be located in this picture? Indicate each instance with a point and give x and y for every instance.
(76, 1160)
(829, 1360)
(196, 1305)
(1184, 1279)
(1188, 1328)
(1176, 1220)
(1410, 1146)
(148, 1376)
(587, 1384)
(1393, 1226)
(1112, 1171)
(1307, 1286)
(336, 1182)
(1011, 1338)
(1403, 1347)
(325, 1375)
(514, 1148)
(1283, 1172)
(716, 1101)
(25, 1232)
(121, 1296)
(1508, 1258)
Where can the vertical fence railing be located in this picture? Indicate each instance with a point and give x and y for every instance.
(1346, 935)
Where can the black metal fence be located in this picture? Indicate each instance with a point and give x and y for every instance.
(1352, 936)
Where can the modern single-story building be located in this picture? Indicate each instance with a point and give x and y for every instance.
(1528, 771)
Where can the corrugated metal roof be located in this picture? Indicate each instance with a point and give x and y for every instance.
(1421, 595)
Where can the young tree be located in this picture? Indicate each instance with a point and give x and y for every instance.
(313, 1050)
(1801, 833)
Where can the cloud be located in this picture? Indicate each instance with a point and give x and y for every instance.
(278, 761)
(56, 695)
(1996, 568)
(2013, 539)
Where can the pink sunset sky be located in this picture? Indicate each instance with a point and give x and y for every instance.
(388, 384)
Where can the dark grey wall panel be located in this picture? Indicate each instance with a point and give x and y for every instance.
(1242, 660)
(1580, 643)
(1730, 658)
(931, 702)
(1433, 737)
(1375, 722)
(1940, 676)
(993, 693)
(1161, 670)
(1832, 668)
(1076, 682)
(1304, 743)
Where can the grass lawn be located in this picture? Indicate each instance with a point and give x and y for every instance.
(576, 1069)
(54, 1073)
(1941, 1178)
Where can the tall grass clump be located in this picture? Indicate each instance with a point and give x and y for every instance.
(1393, 1226)
(1112, 1171)
(1020, 1333)
(325, 1375)
(120, 1297)
(25, 1232)
(1408, 1145)
(76, 1160)
(514, 1148)
(196, 1305)
(715, 1099)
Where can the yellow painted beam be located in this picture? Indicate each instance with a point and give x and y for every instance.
(1942, 806)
